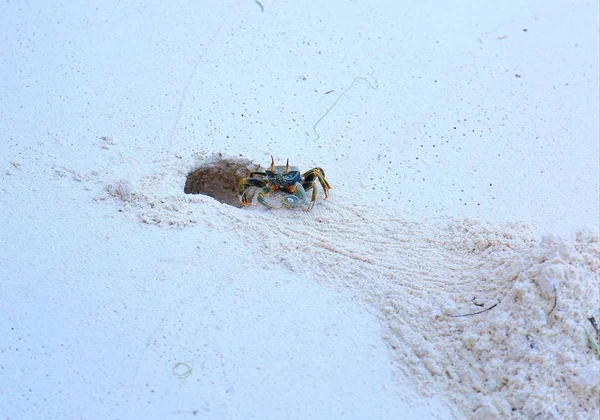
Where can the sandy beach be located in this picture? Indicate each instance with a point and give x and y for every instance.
(452, 273)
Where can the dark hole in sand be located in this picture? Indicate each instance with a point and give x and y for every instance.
(219, 178)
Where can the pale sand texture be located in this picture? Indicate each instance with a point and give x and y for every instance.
(431, 119)
(526, 356)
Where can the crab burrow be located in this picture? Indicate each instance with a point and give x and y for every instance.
(218, 177)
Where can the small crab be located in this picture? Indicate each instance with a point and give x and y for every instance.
(285, 178)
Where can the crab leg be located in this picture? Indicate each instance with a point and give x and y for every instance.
(245, 183)
(313, 198)
(317, 169)
(316, 173)
(262, 193)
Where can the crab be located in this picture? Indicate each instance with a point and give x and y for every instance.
(285, 178)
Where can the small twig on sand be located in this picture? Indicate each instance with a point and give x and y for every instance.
(592, 343)
(594, 324)
(475, 303)
(478, 312)
(555, 299)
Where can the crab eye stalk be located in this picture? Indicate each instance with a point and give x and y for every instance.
(287, 167)
(272, 163)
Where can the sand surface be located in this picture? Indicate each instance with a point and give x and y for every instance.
(451, 273)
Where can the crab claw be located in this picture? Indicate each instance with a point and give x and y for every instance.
(298, 199)
(262, 196)
(290, 201)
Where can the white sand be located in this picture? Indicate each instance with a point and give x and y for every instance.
(526, 356)
(461, 142)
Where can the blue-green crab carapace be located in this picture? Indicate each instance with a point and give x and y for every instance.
(288, 179)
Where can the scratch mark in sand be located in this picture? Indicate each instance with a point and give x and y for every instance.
(356, 79)
(189, 81)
